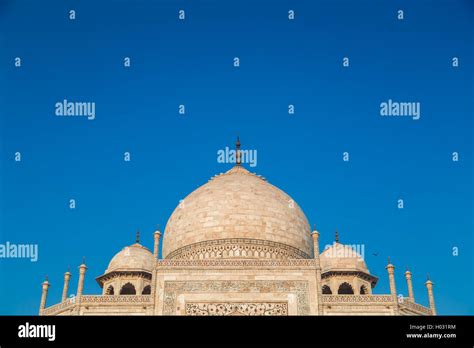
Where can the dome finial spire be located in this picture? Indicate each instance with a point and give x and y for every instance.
(137, 239)
(337, 236)
(237, 152)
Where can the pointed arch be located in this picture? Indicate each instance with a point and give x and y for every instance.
(326, 290)
(146, 290)
(345, 289)
(128, 289)
(110, 290)
(363, 290)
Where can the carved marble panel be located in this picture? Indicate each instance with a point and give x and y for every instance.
(174, 288)
(237, 308)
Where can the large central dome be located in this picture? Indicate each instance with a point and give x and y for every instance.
(237, 215)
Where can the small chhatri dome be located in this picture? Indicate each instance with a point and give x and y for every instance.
(340, 257)
(132, 258)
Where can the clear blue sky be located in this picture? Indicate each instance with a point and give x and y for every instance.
(282, 62)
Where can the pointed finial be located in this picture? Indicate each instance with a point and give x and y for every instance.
(314, 227)
(428, 277)
(407, 269)
(83, 260)
(46, 278)
(137, 239)
(237, 152)
(337, 237)
(389, 260)
(68, 268)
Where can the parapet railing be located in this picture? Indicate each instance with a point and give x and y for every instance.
(59, 307)
(135, 299)
(357, 299)
(403, 302)
(407, 303)
(98, 299)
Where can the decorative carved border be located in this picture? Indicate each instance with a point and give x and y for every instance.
(237, 248)
(173, 288)
(98, 299)
(375, 299)
(351, 310)
(415, 307)
(236, 308)
(138, 299)
(334, 299)
(233, 263)
(59, 307)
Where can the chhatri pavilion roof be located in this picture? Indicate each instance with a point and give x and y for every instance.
(340, 257)
(132, 258)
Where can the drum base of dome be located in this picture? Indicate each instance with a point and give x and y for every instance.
(237, 248)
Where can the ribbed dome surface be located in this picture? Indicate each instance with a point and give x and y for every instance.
(238, 205)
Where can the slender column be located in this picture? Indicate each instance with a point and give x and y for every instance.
(154, 281)
(80, 285)
(156, 248)
(315, 236)
(391, 278)
(429, 287)
(393, 290)
(411, 297)
(44, 295)
(82, 274)
(67, 277)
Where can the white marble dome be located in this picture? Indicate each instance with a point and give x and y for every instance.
(237, 214)
(132, 258)
(340, 257)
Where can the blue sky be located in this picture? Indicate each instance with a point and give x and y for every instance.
(282, 62)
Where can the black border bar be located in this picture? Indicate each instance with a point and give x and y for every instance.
(291, 331)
